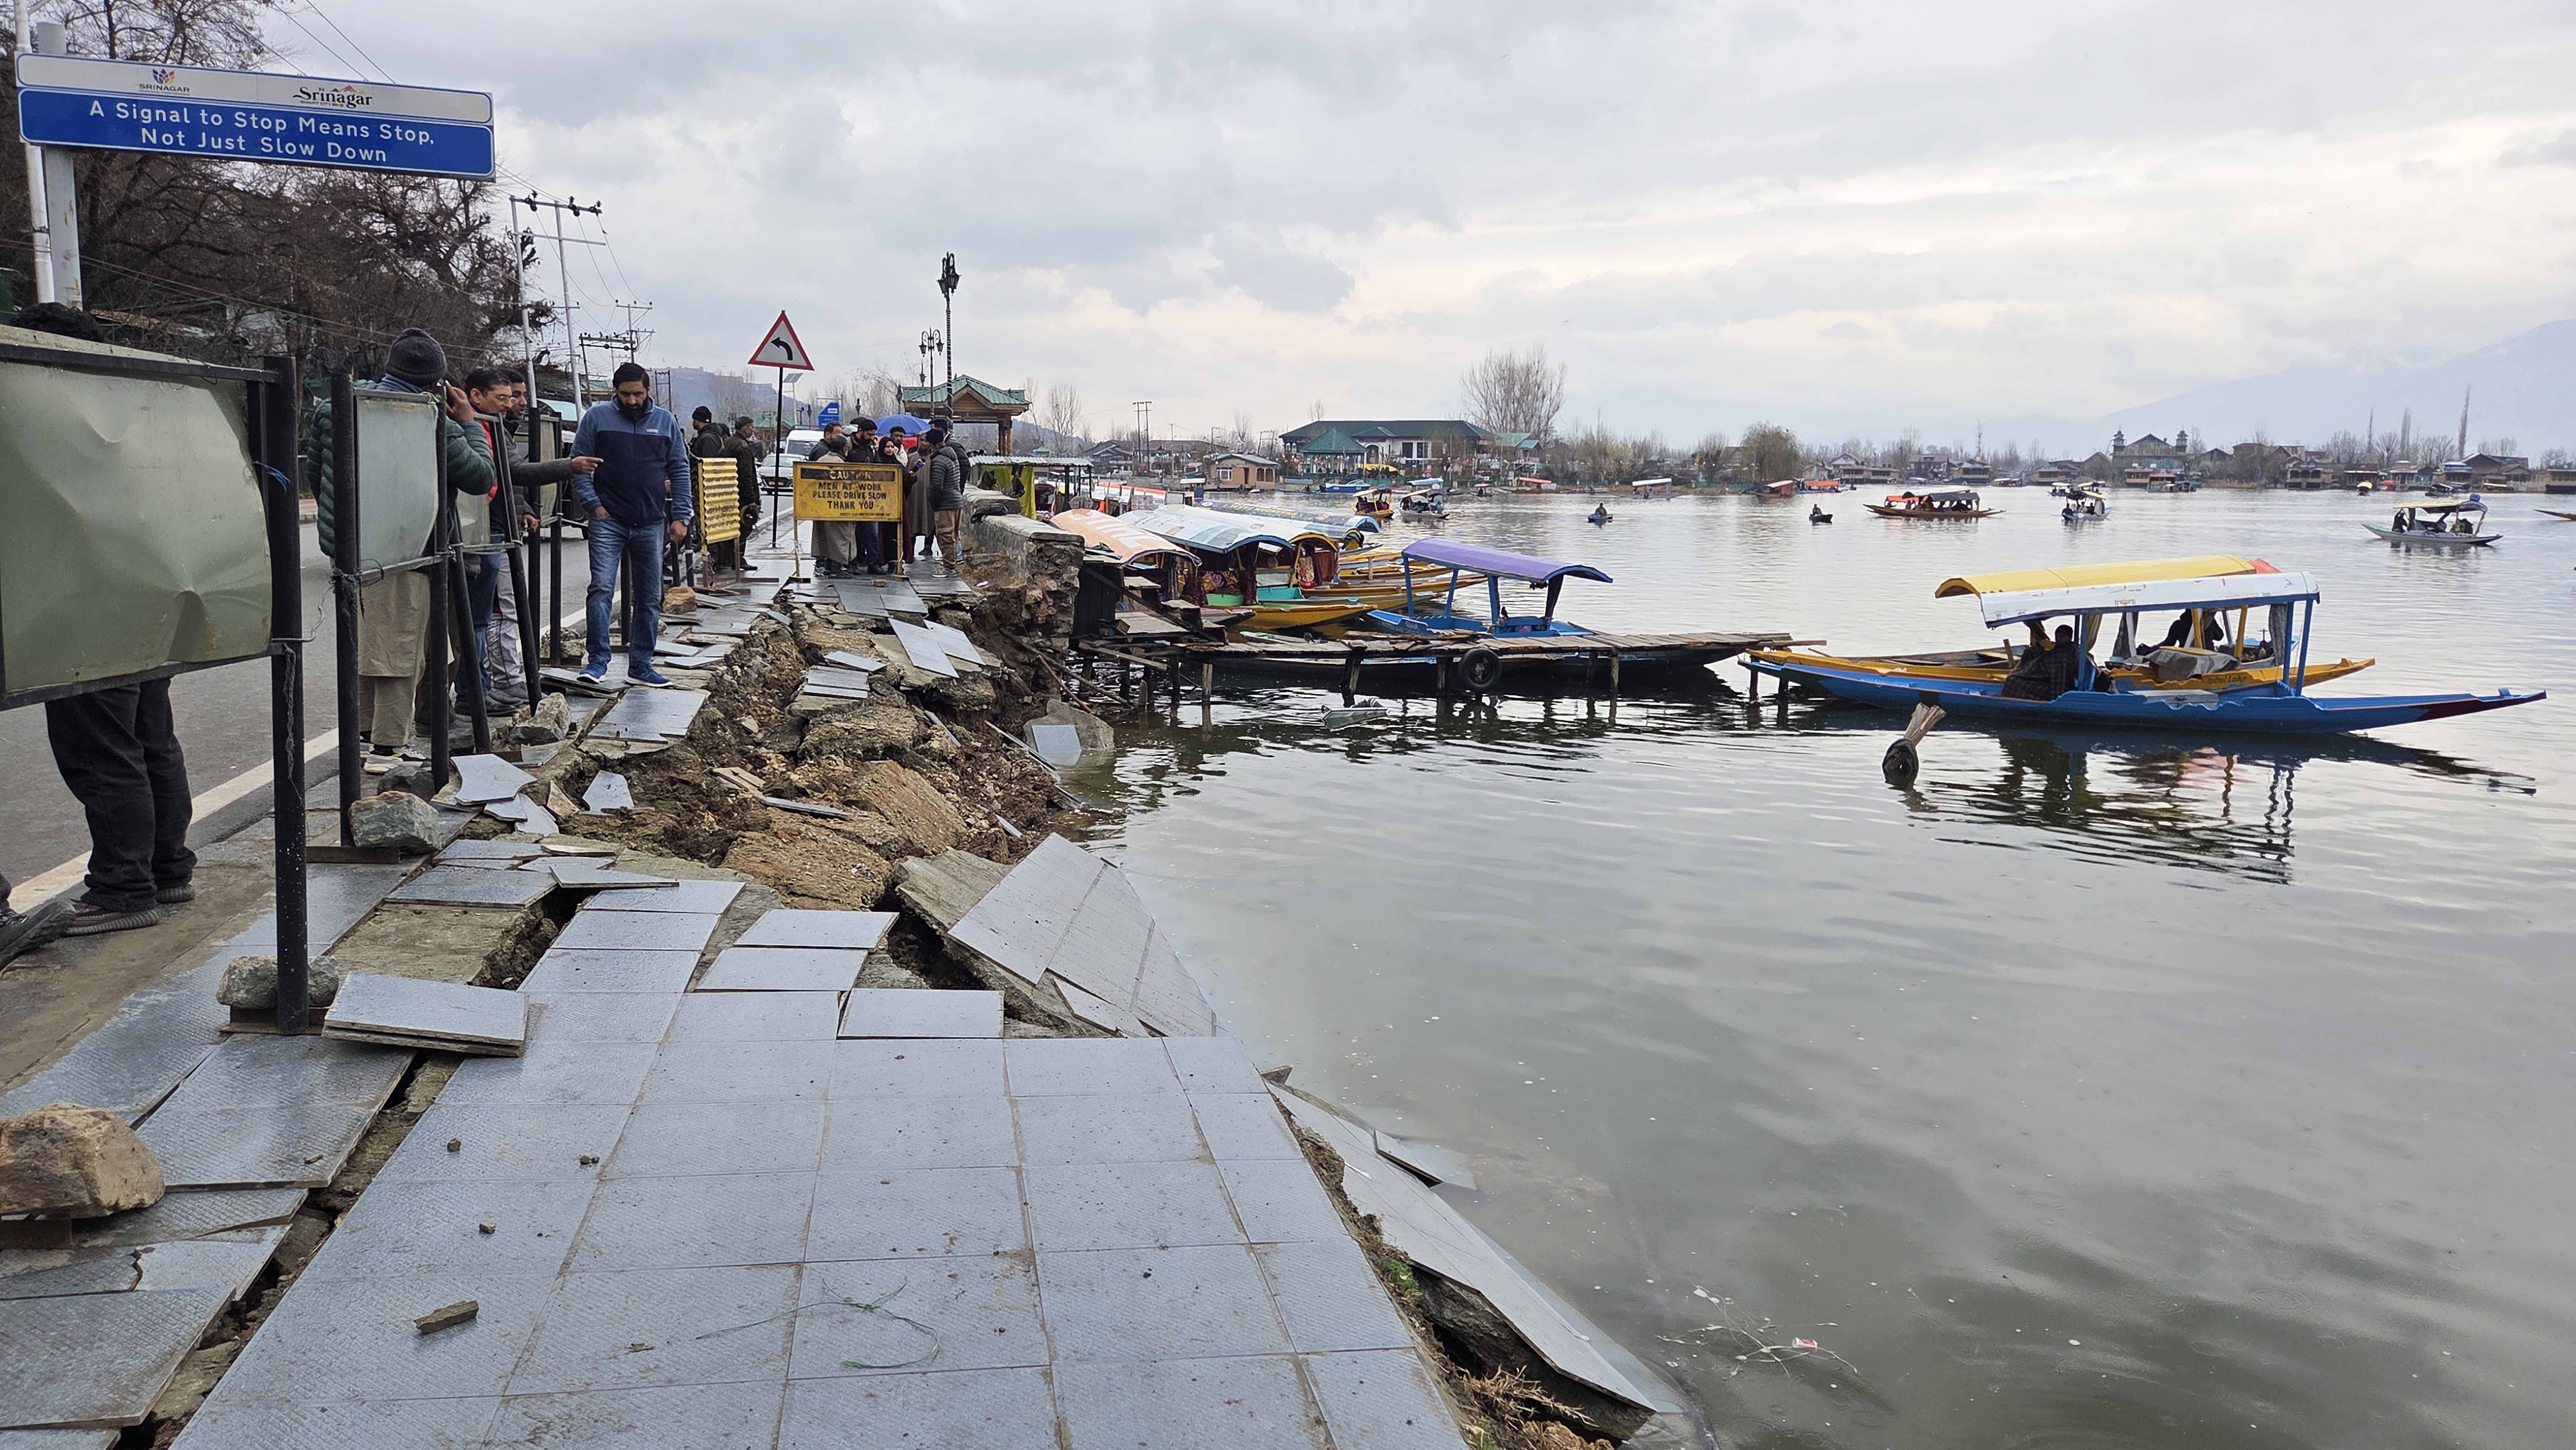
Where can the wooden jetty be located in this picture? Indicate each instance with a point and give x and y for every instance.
(1449, 660)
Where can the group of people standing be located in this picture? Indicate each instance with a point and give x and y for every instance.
(935, 468)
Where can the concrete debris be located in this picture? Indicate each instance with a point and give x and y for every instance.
(550, 721)
(396, 819)
(250, 983)
(608, 792)
(67, 1161)
(806, 808)
(449, 1317)
(487, 778)
(526, 814)
(941, 889)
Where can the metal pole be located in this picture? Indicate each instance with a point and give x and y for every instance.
(442, 542)
(43, 238)
(61, 226)
(273, 412)
(554, 569)
(514, 558)
(344, 583)
(460, 595)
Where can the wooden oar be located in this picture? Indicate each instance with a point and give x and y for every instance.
(1902, 761)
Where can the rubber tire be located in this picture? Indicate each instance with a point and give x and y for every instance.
(1900, 763)
(1480, 668)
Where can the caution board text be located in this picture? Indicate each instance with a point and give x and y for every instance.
(862, 492)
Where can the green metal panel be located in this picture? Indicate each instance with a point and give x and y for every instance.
(131, 534)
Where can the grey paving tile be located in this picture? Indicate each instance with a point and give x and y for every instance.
(732, 1072)
(1380, 1400)
(661, 1327)
(470, 1017)
(223, 1424)
(892, 1213)
(993, 1409)
(1329, 1297)
(689, 1139)
(688, 896)
(428, 1228)
(700, 1417)
(1128, 1128)
(573, 969)
(1281, 1202)
(554, 1072)
(251, 1069)
(466, 886)
(190, 1215)
(345, 1341)
(634, 931)
(600, 1016)
(1242, 1404)
(873, 1069)
(782, 969)
(757, 1017)
(715, 1219)
(1128, 1205)
(229, 1265)
(1137, 1304)
(849, 930)
(505, 1142)
(96, 1359)
(489, 851)
(900, 1012)
(57, 1440)
(1213, 1064)
(962, 1131)
(266, 1145)
(1241, 1126)
(1427, 1161)
(973, 1312)
(1048, 1065)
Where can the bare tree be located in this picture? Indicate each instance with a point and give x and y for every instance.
(1062, 413)
(1774, 450)
(1516, 392)
(1315, 411)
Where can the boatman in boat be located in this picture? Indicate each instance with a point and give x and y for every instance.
(2046, 671)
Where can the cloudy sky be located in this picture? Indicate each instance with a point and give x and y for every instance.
(1853, 217)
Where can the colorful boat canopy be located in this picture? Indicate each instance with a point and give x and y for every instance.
(2227, 591)
(1223, 533)
(1117, 535)
(2071, 576)
(1500, 563)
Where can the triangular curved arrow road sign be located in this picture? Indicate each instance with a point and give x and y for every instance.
(781, 349)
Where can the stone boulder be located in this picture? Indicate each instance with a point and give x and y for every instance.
(396, 818)
(250, 983)
(862, 730)
(549, 721)
(74, 1162)
(928, 822)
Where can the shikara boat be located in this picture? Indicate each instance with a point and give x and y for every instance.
(1937, 503)
(2441, 523)
(1265, 565)
(2192, 664)
(2084, 504)
(2560, 514)
(2101, 697)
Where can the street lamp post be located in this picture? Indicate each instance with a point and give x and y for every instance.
(948, 310)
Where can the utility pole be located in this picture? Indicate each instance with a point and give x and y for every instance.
(53, 202)
(630, 309)
(572, 344)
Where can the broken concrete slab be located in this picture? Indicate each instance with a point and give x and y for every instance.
(839, 930)
(782, 969)
(608, 791)
(1428, 1161)
(525, 814)
(487, 778)
(94, 1361)
(438, 1016)
(897, 1012)
(922, 648)
(68, 1161)
(941, 889)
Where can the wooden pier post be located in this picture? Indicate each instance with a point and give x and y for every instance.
(1207, 694)
(1614, 674)
(1350, 679)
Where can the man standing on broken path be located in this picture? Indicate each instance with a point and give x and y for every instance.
(639, 494)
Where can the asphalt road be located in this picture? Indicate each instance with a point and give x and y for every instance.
(223, 717)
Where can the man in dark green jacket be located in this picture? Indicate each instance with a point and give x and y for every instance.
(393, 612)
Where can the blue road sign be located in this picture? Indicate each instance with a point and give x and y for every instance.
(252, 116)
(831, 413)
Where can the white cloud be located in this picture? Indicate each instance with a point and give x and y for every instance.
(1862, 216)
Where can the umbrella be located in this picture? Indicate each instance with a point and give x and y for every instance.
(906, 421)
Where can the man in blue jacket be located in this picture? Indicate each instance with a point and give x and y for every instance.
(639, 492)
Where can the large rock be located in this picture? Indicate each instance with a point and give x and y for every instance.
(550, 721)
(804, 859)
(396, 818)
(74, 1162)
(928, 822)
(251, 982)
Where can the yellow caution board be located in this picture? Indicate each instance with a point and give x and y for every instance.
(720, 498)
(856, 492)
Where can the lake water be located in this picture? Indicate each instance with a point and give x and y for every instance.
(2087, 1092)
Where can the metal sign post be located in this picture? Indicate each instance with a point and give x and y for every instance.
(784, 350)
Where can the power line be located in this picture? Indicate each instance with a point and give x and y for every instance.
(316, 8)
(318, 40)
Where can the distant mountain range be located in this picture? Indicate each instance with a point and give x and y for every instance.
(2523, 388)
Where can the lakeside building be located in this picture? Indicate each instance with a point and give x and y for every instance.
(975, 401)
(1398, 441)
(1241, 471)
